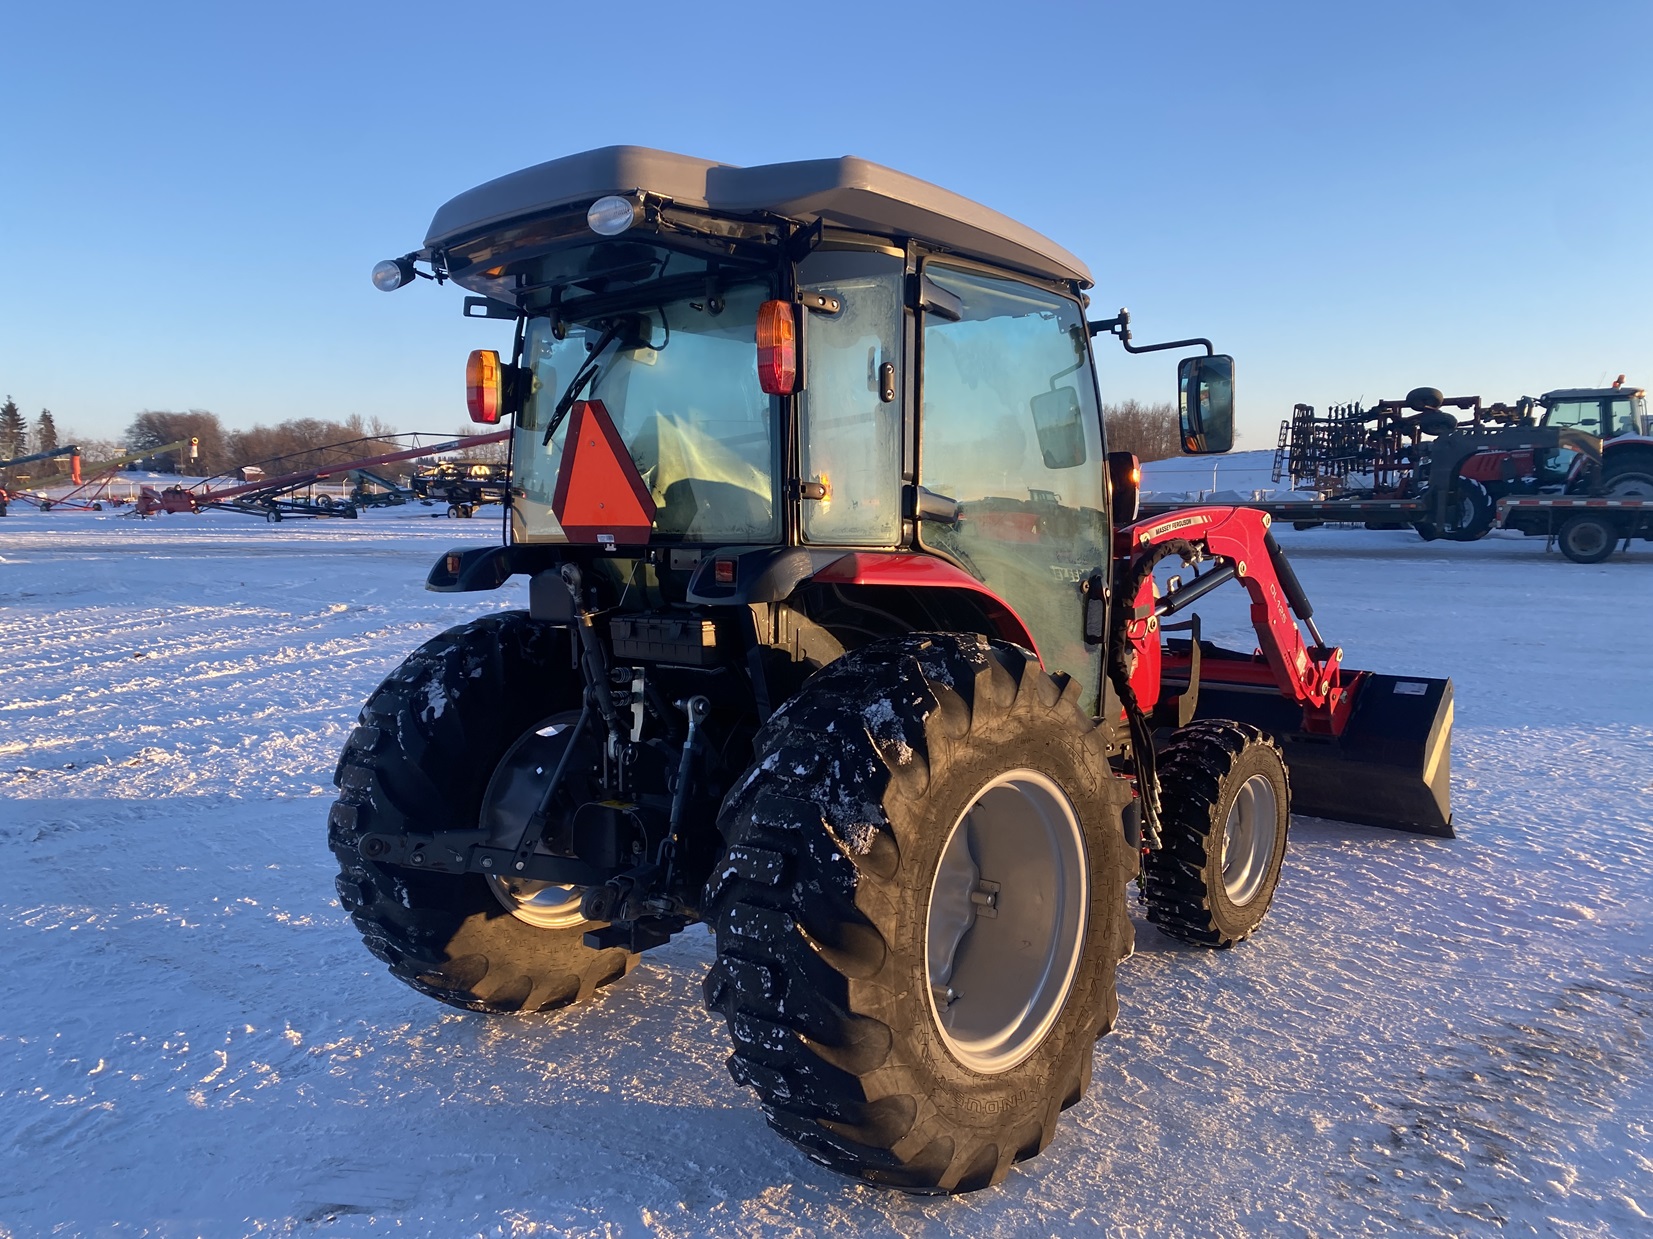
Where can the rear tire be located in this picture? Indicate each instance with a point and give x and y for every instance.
(1629, 475)
(1225, 813)
(1587, 538)
(920, 911)
(420, 762)
(1469, 514)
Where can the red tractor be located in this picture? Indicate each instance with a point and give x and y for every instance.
(840, 639)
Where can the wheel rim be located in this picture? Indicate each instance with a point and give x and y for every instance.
(1588, 538)
(1005, 924)
(1248, 839)
(513, 793)
(541, 904)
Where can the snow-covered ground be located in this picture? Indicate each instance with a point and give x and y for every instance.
(1429, 1037)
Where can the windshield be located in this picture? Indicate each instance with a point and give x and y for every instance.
(679, 380)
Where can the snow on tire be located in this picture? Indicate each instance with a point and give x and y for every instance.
(1225, 810)
(419, 762)
(920, 910)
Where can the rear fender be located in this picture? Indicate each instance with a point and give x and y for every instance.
(930, 580)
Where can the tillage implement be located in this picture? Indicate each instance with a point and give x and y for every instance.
(842, 638)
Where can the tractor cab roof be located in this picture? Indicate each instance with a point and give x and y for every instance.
(846, 192)
(1590, 393)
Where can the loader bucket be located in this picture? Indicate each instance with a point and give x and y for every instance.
(1390, 767)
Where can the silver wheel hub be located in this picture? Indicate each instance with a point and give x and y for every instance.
(1248, 840)
(1005, 925)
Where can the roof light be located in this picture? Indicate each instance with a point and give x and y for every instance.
(483, 386)
(392, 273)
(611, 216)
(777, 348)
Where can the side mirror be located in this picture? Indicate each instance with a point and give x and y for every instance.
(1205, 403)
(1059, 421)
(1125, 487)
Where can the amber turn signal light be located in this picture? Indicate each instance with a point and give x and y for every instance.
(777, 348)
(484, 386)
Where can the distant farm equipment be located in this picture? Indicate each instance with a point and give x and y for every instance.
(11, 482)
(463, 485)
(1456, 467)
(294, 493)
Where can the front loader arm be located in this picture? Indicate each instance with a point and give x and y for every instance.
(1361, 746)
(1237, 544)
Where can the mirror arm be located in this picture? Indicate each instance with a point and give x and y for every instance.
(1121, 327)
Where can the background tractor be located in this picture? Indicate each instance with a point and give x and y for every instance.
(1575, 464)
(841, 639)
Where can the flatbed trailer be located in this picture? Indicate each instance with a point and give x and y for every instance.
(1586, 528)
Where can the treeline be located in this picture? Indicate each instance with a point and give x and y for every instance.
(1149, 430)
(298, 443)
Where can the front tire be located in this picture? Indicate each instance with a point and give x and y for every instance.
(1225, 810)
(920, 911)
(420, 762)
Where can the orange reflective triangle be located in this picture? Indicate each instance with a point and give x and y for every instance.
(600, 496)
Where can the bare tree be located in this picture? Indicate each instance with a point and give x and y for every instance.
(92, 448)
(485, 453)
(153, 429)
(1149, 430)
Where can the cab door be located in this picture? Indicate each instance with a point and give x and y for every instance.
(1010, 430)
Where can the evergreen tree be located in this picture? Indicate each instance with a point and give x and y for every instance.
(14, 431)
(45, 440)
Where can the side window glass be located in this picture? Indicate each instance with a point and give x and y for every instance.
(850, 440)
(1619, 419)
(1009, 428)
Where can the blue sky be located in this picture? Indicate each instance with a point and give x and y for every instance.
(1353, 200)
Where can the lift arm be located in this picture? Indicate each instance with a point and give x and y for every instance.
(1236, 542)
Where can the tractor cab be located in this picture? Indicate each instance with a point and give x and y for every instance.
(826, 355)
(1606, 412)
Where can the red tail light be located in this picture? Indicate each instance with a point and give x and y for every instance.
(484, 386)
(777, 348)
